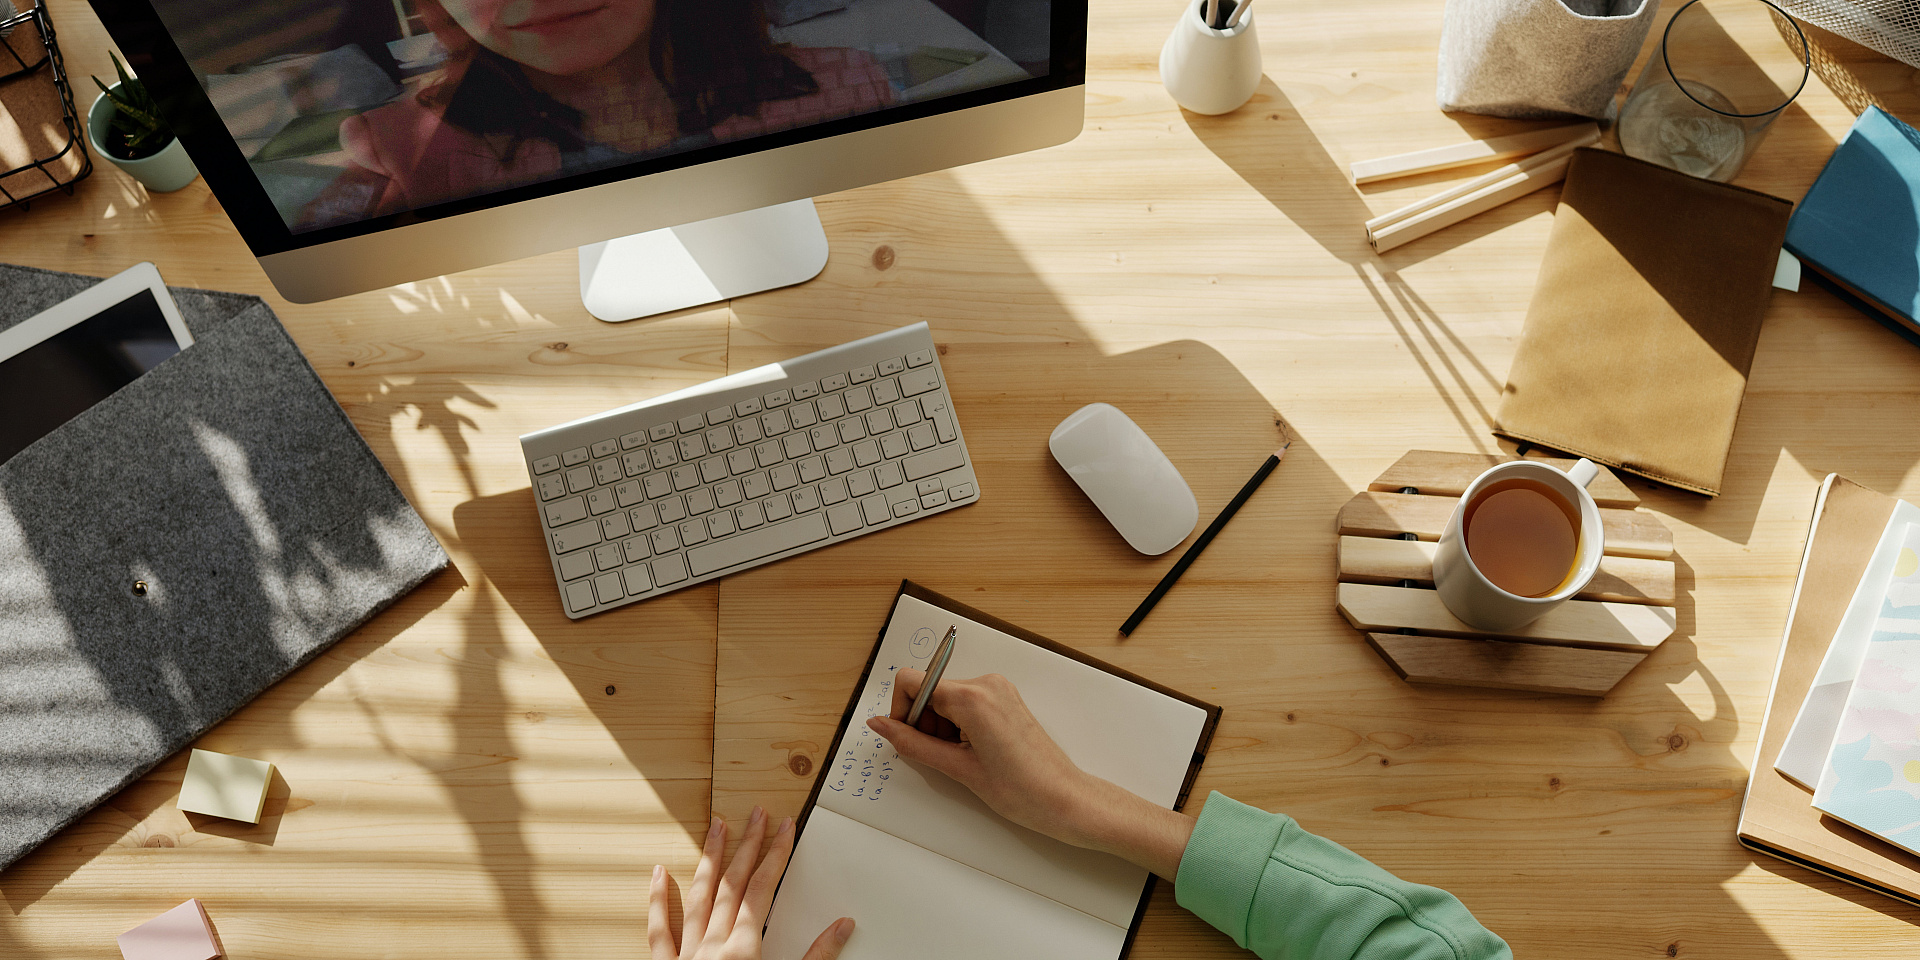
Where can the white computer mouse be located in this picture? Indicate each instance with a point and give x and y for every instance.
(1121, 470)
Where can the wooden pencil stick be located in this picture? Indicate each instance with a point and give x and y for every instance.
(1480, 201)
(1239, 14)
(1213, 529)
(1471, 152)
(1480, 182)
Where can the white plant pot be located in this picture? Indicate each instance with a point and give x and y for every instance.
(1210, 71)
(164, 172)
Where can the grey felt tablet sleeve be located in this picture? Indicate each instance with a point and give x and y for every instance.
(227, 480)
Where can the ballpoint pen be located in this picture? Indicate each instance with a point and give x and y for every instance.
(934, 670)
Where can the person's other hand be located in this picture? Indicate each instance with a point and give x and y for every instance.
(724, 913)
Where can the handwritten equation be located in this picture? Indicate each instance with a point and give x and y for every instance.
(867, 762)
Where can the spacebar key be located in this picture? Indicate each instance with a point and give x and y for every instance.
(933, 461)
(764, 542)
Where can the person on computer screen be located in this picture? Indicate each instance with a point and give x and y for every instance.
(539, 89)
(1274, 888)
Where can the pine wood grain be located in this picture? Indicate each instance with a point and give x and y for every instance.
(1581, 623)
(1507, 665)
(1620, 579)
(1628, 533)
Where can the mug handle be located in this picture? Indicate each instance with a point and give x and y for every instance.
(1583, 472)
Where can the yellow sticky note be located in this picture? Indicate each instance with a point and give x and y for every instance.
(223, 786)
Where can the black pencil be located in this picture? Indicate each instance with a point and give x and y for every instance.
(1186, 560)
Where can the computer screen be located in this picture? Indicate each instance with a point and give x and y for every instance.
(356, 114)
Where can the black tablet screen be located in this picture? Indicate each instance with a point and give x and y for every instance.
(58, 378)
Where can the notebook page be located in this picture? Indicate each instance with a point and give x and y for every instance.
(1111, 727)
(909, 902)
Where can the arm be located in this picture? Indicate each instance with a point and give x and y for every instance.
(1273, 887)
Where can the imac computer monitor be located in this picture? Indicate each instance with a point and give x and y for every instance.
(357, 144)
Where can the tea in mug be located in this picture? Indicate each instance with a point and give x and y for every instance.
(1523, 535)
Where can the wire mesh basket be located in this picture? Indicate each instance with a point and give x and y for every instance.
(36, 100)
(1889, 26)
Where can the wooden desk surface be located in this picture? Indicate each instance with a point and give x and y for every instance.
(473, 775)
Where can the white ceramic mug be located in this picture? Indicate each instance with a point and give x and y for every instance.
(1475, 599)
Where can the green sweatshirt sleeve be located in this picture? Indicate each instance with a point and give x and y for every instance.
(1286, 894)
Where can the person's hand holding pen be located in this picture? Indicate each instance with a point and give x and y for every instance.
(980, 733)
(725, 912)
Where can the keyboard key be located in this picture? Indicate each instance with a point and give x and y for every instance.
(719, 415)
(806, 391)
(831, 408)
(714, 469)
(833, 491)
(658, 485)
(608, 471)
(824, 437)
(778, 508)
(747, 431)
(740, 461)
(812, 470)
(579, 479)
(749, 515)
(755, 486)
(929, 485)
(905, 414)
(767, 453)
(600, 501)
(960, 491)
(890, 367)
(685, 477)
(936, 408)
(699, 502)
(860, 484)
(858, 399)
(551, 487)
(665, 541)
(575, 457)
(720, 439)
(566, 511)
(839, 461)
(935, 499)
(643, 518)
(721, 524)
(920, 436)
(638, 438)
(774, 423)
(906, 508)
(795, 445)
(844, 518)
(629, 493)
(607, 556)
(866, 453)
(672, 510)
(546, 465)
(876, 509)
(659, 432)
(614, 526)
(636, 580)
(693, 531)
(887, 475)
(664, 456)
(636, 463)
(851, 429)
(692, 423)
(916, 382)
(573, 566)
(779, 398)
(878, 422)
(804, 499)
(919, 358)
(764, 542)
(802, 416)
(606, 448)
(783, 477)
(567, 539)
(695, 447)
(836, 382)
(668, 571)
(886, 391)
(636, 549)
(580, 595)
(861, 375)
(932, 462)
(607, 585)
(747, 407)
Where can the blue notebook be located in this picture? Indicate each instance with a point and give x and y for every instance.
(1859, 226)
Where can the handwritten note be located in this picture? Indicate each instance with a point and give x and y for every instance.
(866, 762)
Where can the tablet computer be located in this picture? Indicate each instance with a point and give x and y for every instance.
(57, 363)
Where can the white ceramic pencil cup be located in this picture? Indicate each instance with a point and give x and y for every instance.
(1210, 71)
(1475, 599)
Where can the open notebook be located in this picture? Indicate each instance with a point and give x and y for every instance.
(923, 867)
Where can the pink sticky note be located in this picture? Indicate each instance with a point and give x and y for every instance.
(183, 933)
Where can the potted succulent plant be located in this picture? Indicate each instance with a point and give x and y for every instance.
(124, 126)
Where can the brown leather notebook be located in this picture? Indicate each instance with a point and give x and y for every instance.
(1644, 320)
(1778, 817)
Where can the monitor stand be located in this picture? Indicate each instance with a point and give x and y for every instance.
(702, 262)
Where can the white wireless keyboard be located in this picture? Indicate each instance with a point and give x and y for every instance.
(747, 469)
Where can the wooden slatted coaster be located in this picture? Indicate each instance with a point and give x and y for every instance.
(1582, 647)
